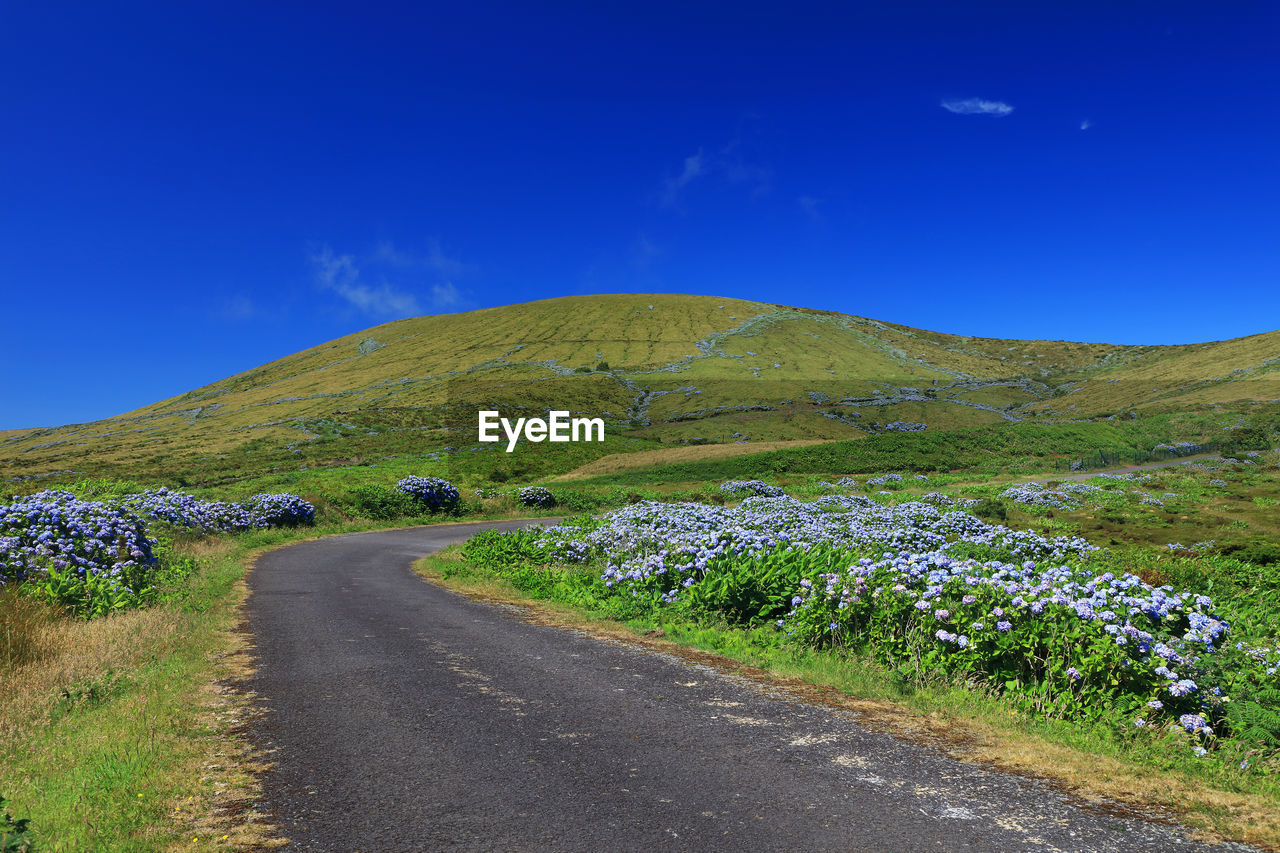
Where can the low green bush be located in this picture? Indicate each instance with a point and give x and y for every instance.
(377, 502)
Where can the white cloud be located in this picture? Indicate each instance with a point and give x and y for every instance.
(445, 295)
(441, 263)
(1086, 124)
(340, 274)
(738, 171)
(727, 164)
(434, 259)
(977, 107)
(694, 168)
(809, 205)
(386, 252)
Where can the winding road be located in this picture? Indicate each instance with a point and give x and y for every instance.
(403, 717)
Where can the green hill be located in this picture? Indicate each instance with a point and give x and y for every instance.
(660, 368)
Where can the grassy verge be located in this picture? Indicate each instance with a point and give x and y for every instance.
(115, 735)
(123, 733)
(960, 719)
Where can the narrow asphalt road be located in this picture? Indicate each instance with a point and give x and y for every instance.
(402, 716)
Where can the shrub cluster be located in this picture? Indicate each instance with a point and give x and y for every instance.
(536, 496)
(751, 487)
(370, 500)
(436, 494)
(92, 557)
(185, 510)
(1064, 642)
(926, 590)
(280, 510)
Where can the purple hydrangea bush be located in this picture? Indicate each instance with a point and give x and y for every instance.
(181, 509)
(95, 557)
(92, 557)
(751, 487)
(1060, 639)
(902, 584)
(185, 510)
(280, 510)
(536, 496)
(436, 494)
(644, 542)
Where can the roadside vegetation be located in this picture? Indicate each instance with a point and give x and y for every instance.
(120, 652)
(1152, 659)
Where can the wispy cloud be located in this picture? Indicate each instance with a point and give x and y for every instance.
(644, 252)
(237, 309)
(340, 274)
(727, 164)
(441, 263)
(445, 295)
(671, 187)
(977, 107)
(740, 171)
(1086, 124)
(388, 253)
(391, 282)
(809, 205)
(434, 259)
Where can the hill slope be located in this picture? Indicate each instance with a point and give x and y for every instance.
(664, 367)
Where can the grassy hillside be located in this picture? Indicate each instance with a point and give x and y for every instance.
(662, 369)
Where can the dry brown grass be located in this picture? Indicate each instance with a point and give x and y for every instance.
(618, 462)
(24, 634)
(47, 653)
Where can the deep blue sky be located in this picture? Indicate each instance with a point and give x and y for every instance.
(190, 190)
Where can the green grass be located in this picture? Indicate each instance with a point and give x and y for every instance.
(1005, 449)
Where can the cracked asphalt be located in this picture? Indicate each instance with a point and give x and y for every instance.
(404, 717)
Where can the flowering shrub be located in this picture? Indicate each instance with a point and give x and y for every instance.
(751, 487)
(928, 590)
(1065, 642)
(1066, 496)
(885, 479)
(185, 510)
(436, 494)
(655, 549)
(89, 556)
(1177, 448)
(536, 496)
(280, 510)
